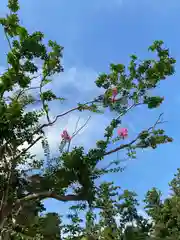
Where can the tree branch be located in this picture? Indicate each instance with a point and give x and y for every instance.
(36, 196)
(26, 149)
(76, 125)
(49, 194)
(63, 114)
(24, 90)
(122, 146)
(34, 77)
(77, 131)
(128, 109)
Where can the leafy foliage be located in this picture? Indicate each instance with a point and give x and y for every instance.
(118, 217)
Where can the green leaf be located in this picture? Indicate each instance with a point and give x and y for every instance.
(22, 32)
(60, 99)
(48, 96)
(46, 81)
(13, 5)
(153, 102)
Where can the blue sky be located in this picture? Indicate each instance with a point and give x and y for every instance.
(94, 34)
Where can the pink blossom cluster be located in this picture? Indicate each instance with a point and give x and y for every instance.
(65, 136)
(123, 132)
(114, 94)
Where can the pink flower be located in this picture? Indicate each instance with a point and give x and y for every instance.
(114, 94)
(65, 135)
(123, 132)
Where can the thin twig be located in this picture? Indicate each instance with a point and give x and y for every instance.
(36, 77)
(157, 122)
(76, 125)
(75, 133)
(25, 90)
(128, 109)
(113, 163)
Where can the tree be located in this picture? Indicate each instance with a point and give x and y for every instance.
(165, 214)
(114, 215)
(45, 227)
(22, 128)
(119, 218)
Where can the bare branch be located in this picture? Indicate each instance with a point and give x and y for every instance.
(25, 90)
(128, 109)
(77, 131)
(114, 163)
(159, 121)
(65, 113)
(36, 77)
(76, 125)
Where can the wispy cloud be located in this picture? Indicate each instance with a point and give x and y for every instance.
(76, 85)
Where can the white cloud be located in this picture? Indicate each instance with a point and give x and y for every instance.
(82, 79)
(75, 84)
(142, 213)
